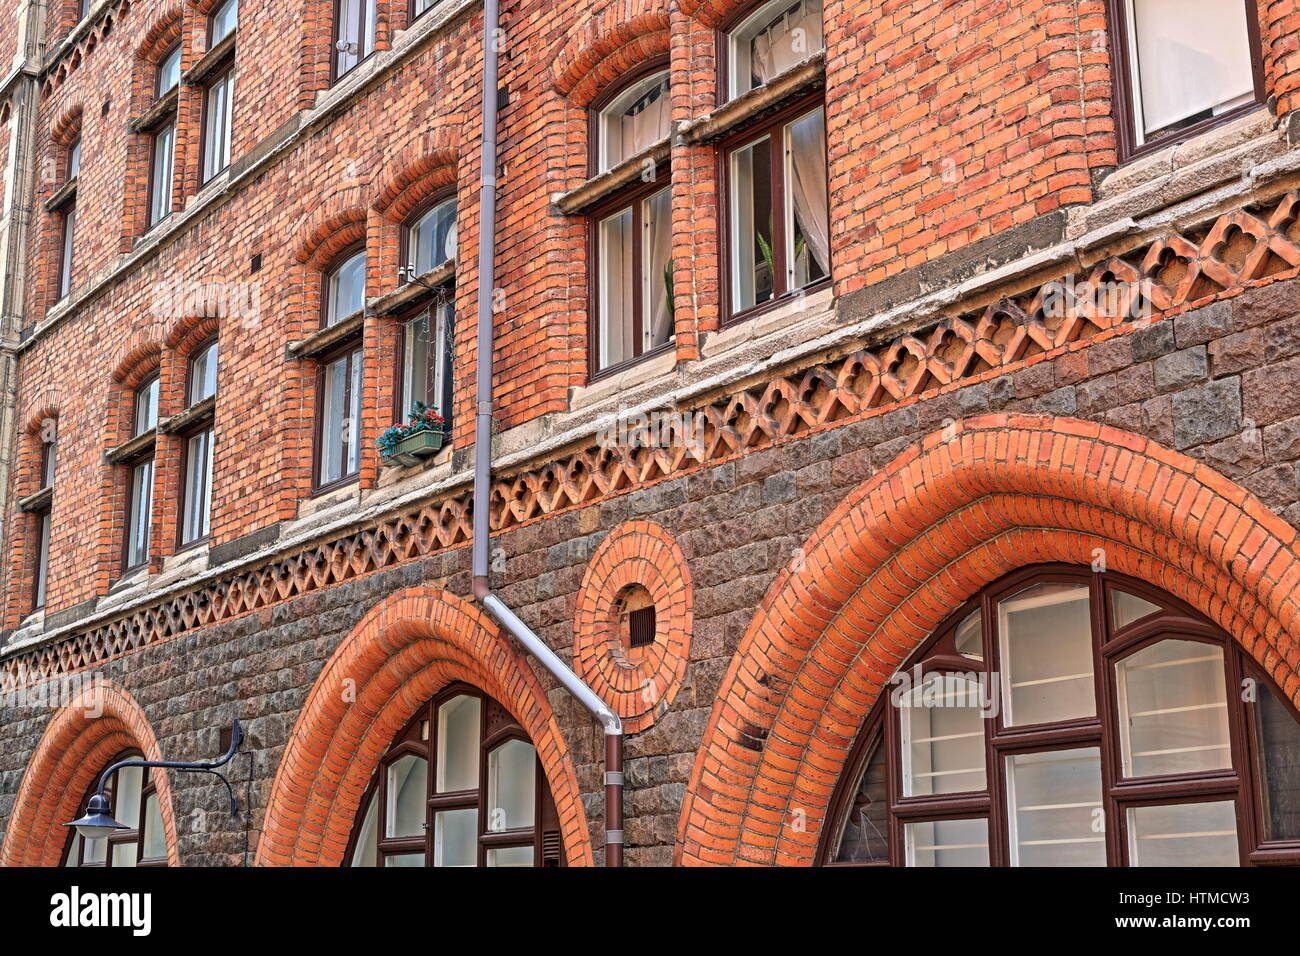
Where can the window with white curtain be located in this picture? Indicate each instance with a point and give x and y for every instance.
(196, 491)
(634, 279)
(1066, 718)
(636, 119)
(133, 801)
(1188, 61)
(775, 37)
(779, 229)
(460, 786)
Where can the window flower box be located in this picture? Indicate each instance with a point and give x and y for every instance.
(420, 438)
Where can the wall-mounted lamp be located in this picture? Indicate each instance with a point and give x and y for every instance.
(98, 821)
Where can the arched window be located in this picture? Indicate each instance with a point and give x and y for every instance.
(460, 786)
(134, 802)
(772, 39)
(1064, 718)
(345, 288)
(636, 118)
(430, 238)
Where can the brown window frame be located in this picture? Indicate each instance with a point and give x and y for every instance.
(408, 226)
(545, 829)
(443, 298)
(1118, 31)
(182, 543)
(211, 22)
(134, 835)
(354, 350)
(326, 276)
(67, 212)
(722, 44)
(770, 126)
(362, 55)
(224, 73)
(1175, 620)
(129, 467)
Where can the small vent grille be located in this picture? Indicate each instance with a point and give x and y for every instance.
(550, 848)
(641, 626)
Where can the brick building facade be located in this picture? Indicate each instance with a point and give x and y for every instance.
(1040, 323)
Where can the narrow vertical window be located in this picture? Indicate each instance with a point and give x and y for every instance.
(340, 420)
(354, 34)
(426, 360)
(430, 239)
(67, 212)
(775, 37)
(139, 514)
(218, 118)
(345, 290)
(222, 23)
(162, 165)
(196, 498)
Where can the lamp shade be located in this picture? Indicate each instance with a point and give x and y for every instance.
(98, 822)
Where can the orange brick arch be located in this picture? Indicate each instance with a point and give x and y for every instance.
(606, 47)
(80, 740)
(404, 651)
(953, 513)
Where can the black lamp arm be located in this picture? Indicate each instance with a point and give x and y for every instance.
(187, 766)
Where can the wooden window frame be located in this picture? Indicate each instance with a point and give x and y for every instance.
(354, 350)
(327, 275)
(1239, 783)
(67, 212)
(211, 23)
(722, 44)
(444, 298)
(129, 467)
(408, 227)
(182, 543)
(362, 55)
(408, 741)
(154, 140)
(1119, 36)
(224, 73)
(134, 835)
(771, 126)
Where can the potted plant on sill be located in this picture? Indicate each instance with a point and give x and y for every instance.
(409, 444)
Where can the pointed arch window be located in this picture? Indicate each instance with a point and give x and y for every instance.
(1064, 718)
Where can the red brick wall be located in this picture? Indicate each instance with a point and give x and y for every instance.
(948, 122)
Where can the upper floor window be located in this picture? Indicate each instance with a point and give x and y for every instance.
(74, 159)
(169, 71)
(345, 289)
(218, 121)
(633, 269)
(83, 9)
(162, 171)
(44, 525)
(420, 6)
(146, 408)
(778, 226)
(1065, 718)
(140, 472)
(1182, 65)
(134, 802)
(68, 220)
(354, 34)
(769, 41)
(431, 238)
(426, 359)
(196, 492)
(222, 23)
(461, 785)
(633, 121)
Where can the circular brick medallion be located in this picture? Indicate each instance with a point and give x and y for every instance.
(632, 632)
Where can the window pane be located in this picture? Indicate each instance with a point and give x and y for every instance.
(224, 21)
(198, 487)
(656, 269)
(1186, 834)
(1279, 749)
(356, 33)
(753, 265)
(96, 851)
(141, 514)
(69, 237)
(124, 854)
(346, 291)
(146, 407)
(948, 843)
(510, 856)
(160, 182)
(638, 118)
(458, 744)
(203, 375)
(772, 40)
(512, 786)
(1046, 642)
(1127, 608)
(126, 796)
(866, 831)
(74, 850)
(808, 244)
(970, 636)
(1192, 59)
(169, 71)
(43, 560)
(1054, 808)
(455, 838)
(415, 365)
(408, 779)
(404, 859)
(615, 293)
(1173, 714)
(155, 840)
(943, 736)
(217, 124)
(432, 238)
(49, 458)
(363, 851)
(74, 160)
(334, 420)
(352, 427)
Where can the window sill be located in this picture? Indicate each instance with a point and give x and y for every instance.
(200, 413)
(319, 343)
(40, 501)
(579, 200)
(140, 445)
(799, 79)
(437, 465)
(163, 109)
(778, 319)
(413, 292)
(602, 388)
(65, 192)
(211, 61)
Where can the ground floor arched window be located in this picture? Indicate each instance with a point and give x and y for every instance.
(1067, 718)
(461, 785)
(134, 802)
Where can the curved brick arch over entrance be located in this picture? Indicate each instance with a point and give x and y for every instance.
(404, 651)
(951, 514)
(99, 723)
